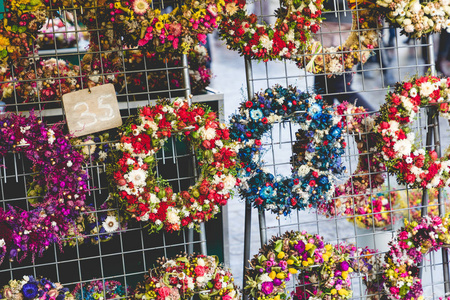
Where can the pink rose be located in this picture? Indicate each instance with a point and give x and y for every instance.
(164, 291)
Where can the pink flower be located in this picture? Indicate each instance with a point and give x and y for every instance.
(142, 43)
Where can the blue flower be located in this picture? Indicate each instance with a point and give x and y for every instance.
(30, 290)
(323, 180)
(266, 192)
(335, 132)
(314, 109)
(256, 114)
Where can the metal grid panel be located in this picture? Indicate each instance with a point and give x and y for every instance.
(132, 251)
(397, 59)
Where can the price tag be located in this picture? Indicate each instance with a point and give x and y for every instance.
(92, 111)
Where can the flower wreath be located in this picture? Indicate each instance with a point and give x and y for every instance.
(415, 167)
(313, 183)
(144, 195)
(57, 193)
(352, 196)
(184, 276)
(417, 19)
(150, 29)
(34, 288)
(291, 37)
(97, 289)
(416, 239)
(323, 269)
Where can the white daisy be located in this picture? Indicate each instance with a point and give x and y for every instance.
(137, 177)
(402, 147)
(140, 6)
(426, 89)
(110, 224)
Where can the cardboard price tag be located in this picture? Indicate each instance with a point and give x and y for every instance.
(92, 111)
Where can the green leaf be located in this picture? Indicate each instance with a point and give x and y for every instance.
(278, 246)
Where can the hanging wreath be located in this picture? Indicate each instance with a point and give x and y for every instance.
(34, 288)
(147, 197)
(291, 37)
(185, 276)
(417, 19)
(97, 289)
(352, 197)
(322, 270)
(418, 168)
(57, 192)
(313, 181)
(412, 243)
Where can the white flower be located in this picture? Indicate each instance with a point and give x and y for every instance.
(201, 262)
(229, 182)
(402, 147)
(426, 89)
(207, 134)
(172, 217)
(145, 218)
(413, 92)
(137, 177)
(416, 7)
(266, 42)
(409, 28)
(409, 160)
(303, 170)
(264, 278)
(393, 126)
(51, 136)
(2, 242)
(69, 163)
(140, 6)
(110, 224)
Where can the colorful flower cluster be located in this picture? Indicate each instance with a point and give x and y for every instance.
(323, 271)
(184, 276)
(401, 268)
(176, 32)
(296, 21)
(418, 168)
(34, 289)
(157, 80)
(55, 34)
(97, 289)
(352, 196)
(147, 197)
(57, 193)
(357, 48)
(378, 211)
(415, 18)
(312, 180)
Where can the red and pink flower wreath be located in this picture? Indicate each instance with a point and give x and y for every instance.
(415, 167)
(296, 21)
(60, 182)
(148, 198)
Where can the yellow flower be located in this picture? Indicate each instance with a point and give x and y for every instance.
(292, 271)
(290, 262)
(344, 274)
(272, 275)
(281, 275)
(159, 26)
(308, 246)
(328, 247)
(333, 292)
(305, 263)
(280, 255)
(343, 292)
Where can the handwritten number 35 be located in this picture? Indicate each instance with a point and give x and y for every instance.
(87, 115)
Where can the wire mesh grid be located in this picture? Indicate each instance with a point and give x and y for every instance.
(396, 59)
(38, 83)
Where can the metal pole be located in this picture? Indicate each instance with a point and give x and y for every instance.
(262, 227)
(248, 205)
(186, 82)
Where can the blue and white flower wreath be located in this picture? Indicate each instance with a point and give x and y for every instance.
(313, 175)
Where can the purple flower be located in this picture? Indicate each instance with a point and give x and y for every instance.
(300, 247)
(267, 287)
(344, 266)
(277, 282)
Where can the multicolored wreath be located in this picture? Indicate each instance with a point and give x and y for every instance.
(417, 19)
(186, 276)
(413, 242)
(323, 270)
(291, 36)
(97, 289)
(34, 288)
(312, 182)
(415, 167)
(352, 196)
(148, 198)
(150, 29)
(58, 191)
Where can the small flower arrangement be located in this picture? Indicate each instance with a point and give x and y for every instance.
(185, 276)
(415, 167)
(323, 272)
(407, 250)
(57, 194)
(34, 288)
(378, 212)
(97, 289)
(417, 19)
(352, 196)
(148, 198)
(55, 34)
(176, 32)
(296, 22)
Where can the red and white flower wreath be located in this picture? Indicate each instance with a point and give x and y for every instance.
(148, 198)
(416, 167)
